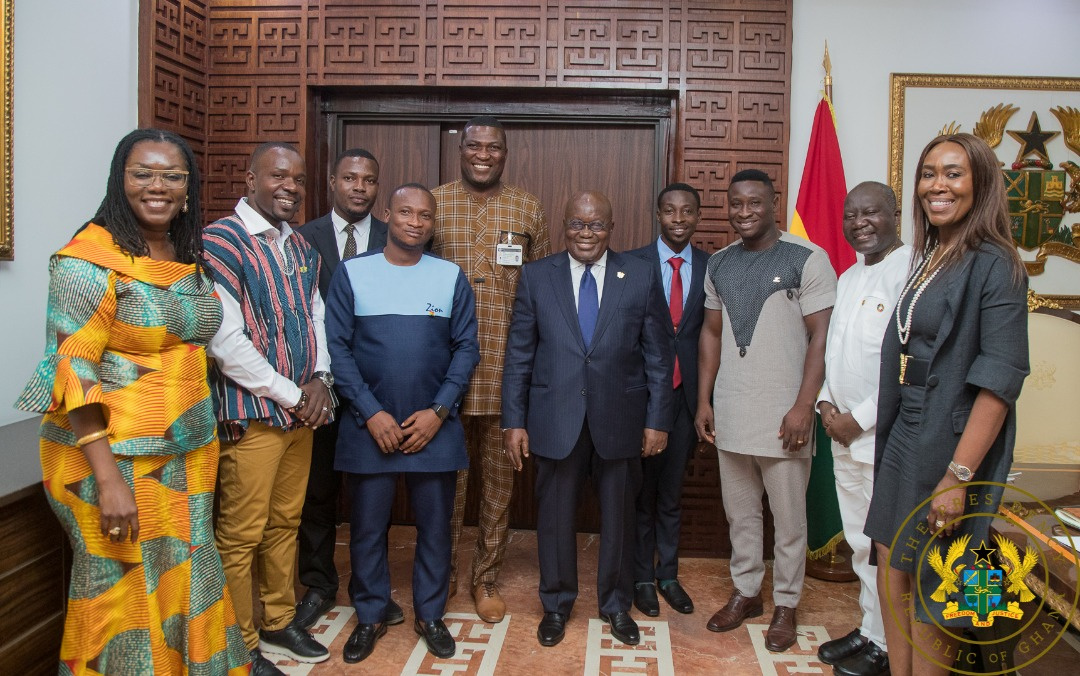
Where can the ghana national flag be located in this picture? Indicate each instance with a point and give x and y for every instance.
(819, 217)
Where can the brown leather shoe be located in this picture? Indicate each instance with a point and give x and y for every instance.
(489, 603)
(738, 608)
(782, 633)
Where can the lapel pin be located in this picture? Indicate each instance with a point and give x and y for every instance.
(620, 274)
(776, 280)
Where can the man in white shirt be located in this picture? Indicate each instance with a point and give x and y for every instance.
(272, 388)
(865, 297)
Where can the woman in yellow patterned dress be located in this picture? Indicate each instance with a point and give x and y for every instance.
(128, 443)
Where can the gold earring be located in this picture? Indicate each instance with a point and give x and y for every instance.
(184, 208)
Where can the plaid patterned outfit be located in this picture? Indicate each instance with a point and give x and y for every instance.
(467, 230)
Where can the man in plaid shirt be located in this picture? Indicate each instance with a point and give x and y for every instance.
(490, 229)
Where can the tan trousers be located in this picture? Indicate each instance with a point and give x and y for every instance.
(484, 441)
(743, 480)
(262, 483)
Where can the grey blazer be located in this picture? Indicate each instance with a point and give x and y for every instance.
(982, 344)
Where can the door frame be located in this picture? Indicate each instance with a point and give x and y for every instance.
(338, 106)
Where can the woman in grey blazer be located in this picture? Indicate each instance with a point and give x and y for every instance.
(952, 364)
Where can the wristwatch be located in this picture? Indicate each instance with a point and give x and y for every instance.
(963, 474)
(440, 411)
(326, 377)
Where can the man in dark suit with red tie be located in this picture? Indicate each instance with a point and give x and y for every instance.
(349, 229)
(587, 390)
(680, 267)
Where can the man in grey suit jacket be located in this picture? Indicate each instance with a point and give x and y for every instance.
(587, 384)
(349, 229)
(680, 268)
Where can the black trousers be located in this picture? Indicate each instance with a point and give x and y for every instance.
(558, 488)
(659, 504)
(318, 521)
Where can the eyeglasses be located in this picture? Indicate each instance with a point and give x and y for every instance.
(595, 226)
(144, 178)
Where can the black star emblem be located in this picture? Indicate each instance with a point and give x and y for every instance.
(1033, 140)
(983, 553)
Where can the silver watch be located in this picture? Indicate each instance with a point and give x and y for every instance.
(963, 474)
(326, 377)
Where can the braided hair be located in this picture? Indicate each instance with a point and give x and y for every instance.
(116, 216)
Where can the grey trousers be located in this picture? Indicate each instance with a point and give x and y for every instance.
(743, 478)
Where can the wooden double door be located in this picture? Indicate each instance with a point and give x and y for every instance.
(556, 146)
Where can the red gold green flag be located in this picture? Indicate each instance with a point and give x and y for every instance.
(819, 210)
(819, 217)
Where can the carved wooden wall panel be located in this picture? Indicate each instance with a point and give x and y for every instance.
(172, 91)
(229, 74)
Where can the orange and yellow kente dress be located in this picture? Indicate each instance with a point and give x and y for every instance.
(129, 333)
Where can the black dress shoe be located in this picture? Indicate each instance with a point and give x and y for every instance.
(294, 642)
(313, 606)
(362, 641)
(623, 627)
(437, 637)
(260, 666)
(677, 597)
(645, 598)
(394, 614)
(870, 661)
(552, 629)
(839, 649)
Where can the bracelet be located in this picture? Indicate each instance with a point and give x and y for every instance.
(303, 401)
(93, 436)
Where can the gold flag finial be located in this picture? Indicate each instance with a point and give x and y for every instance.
(827, 64)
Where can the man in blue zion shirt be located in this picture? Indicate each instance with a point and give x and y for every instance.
(401, 329)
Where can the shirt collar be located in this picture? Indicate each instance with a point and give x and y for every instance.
(666, 253)
(256, 224)
(600, 263)
(340, 222)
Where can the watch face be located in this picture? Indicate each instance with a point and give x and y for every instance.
(962, 473)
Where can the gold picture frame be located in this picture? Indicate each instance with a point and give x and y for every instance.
(7, 219)
(956, 103)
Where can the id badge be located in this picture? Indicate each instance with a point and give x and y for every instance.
(509, 254)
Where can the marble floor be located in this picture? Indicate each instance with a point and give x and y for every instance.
(671, 644)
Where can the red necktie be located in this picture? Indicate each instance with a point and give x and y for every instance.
(675, 305)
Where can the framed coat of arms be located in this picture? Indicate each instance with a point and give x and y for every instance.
(1033, 124)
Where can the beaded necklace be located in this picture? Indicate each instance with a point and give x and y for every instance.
(925, 274)
(919, 281)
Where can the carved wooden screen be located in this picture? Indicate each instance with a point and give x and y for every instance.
(229, 74)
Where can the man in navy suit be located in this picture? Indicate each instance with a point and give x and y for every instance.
(680, 267)
(349, 229)
(587, 390)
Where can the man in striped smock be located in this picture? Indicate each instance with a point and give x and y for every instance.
(272, 388)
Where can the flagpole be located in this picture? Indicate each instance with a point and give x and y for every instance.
(825, 562)
(827, 64)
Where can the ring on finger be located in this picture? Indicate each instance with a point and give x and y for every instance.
(115, 531)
